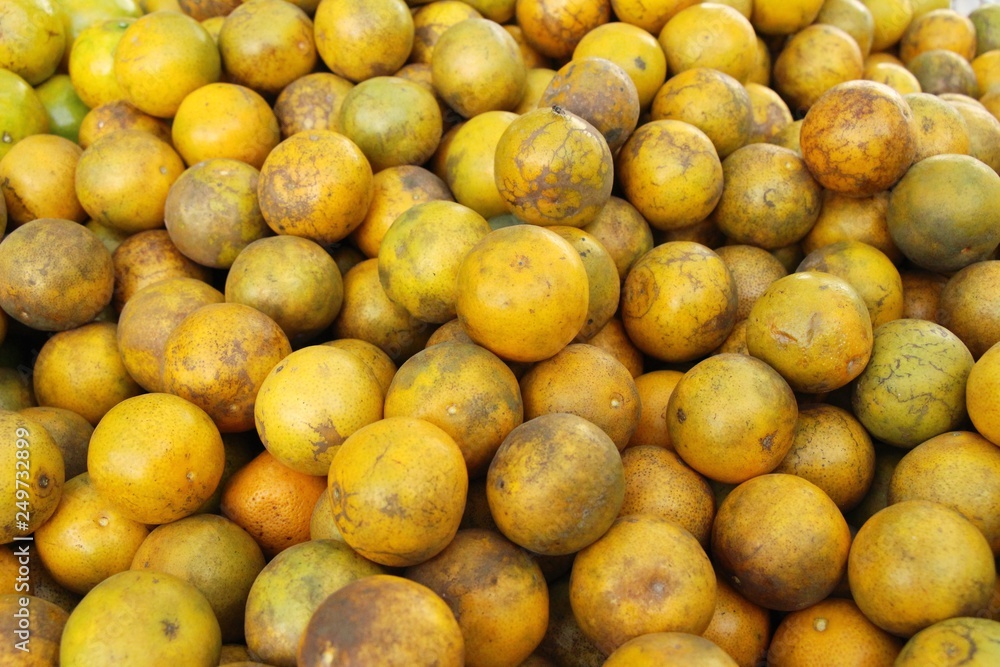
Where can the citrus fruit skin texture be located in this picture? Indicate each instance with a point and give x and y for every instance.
(831, 627)
(658, 648)
(47, 623)
(45, 478)
(960, 640)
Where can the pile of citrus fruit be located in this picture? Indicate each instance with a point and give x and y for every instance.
(499, 333)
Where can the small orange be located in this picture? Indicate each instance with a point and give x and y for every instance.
(963, 639)
(853, 17)
(895, 76)
(315, 184)
(44, 477)
(969, 309)
(833, 627)
(469, 162)
(23, 112)
(311, 102)
(623, 232)
(555, 27)
(814, 60)
(770, 113)
(892, 17)
(115, 116)
(272, 502)
(679, 301)
(87, 539)
(430, 21)
(501, 603)
(663, 648)
(614, 339)
(47, 621)
(659, 483)
(92, 62)
(82, 370)
(783, 17)
(507, 285)
(922, 294)
(398, 488)
(156, 458)
(740, 627)
(646, 574)
(218, 356)
(565, 464)
(941, 71)
(361, 39)
(378, 362)
(224, 120)
(161, 58)
(981, 391)
(434, 385)
(753, 269)
(940, 128)
(938, 29)
(655, 388)
(715, 36)
(266, 45)
(70, 431)
(146, 258)
(916, 563)
(631, 47)
(37, 180)
(604, 285)
(781, 541)
(864, 150)
(844, 218)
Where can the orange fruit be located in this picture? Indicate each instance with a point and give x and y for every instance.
(659, 648)
(370, 315)
(647, 554)
(603, 282)
(740, 627)
(555, 27)
(146, 258)
(564, 641)
(671, 173)
(598, 91)
(922, 294)
(420, 256)
(845, 218)
(60, 298)
(913, 387)
(40, 468)
(655, 389)
(218, 356)
(501, 603)
(832, 450)
(91, 63)
(770, 113)
(833, 627)
(115, 116)
(659, 483)
(942, 71)
(938, 29)
(71, 433)
(292, 280)
(289, 589)
(987, 69)
(23, 112)
(148, 319)
(649, 16)
(969, 309)
(434, 385)
(753, 269)
(984, 133)
(877, 498)
(892, 17)
(394, 191)
(853, 17)
(916, 563)
(582, 488)
(679, 301)
(981, 390)
(214, 554)
(477, 67)
(469, 166)
(814, 60)
(82, 370)
(929, 470)
(553, 168)
(770, 200)
(986, 19)
(781, 17)
(211, 212)
(527, 269)
(311, 102)
(895, 76)
(869, 271)
(781, 541)
(224, 120)
(123, 179)
(623, 232)
(161, 58)
(272, 502)
(971, 640)
(300, 420)
(46, 621)
(398, 488)
(87, 539)
(361, 39)
(35, 38)
(716, 36)
(37, 180)
(422, 626)
(631, 47)
(752, 435)
(315, 184)
(266, 45)
(614, 339)
(156, 458)
(813, 328)
(858, 139)
(586, 381)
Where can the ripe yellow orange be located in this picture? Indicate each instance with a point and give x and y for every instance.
(40, 468)
(360, 39)
(977, 639)
(23, 112)
(831, 627)
(92, 62)
(659, 648)
(632, 48)
(814, 60)
(115, 116)
(555, 27)
(522, 293)
(34, 39)
(311, 102)
(37, 180)
(783, 17)
(715, 36)
(844, 218)
(853, 17)
(740, 627)
(146, 258)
